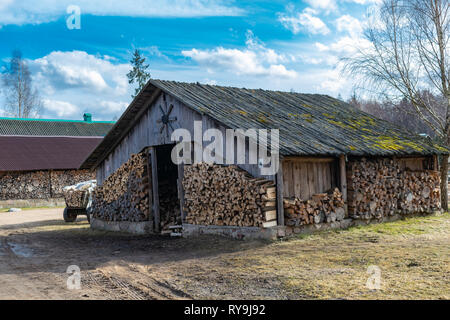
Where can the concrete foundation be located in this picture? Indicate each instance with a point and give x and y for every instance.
(347, 223)
(255, 233)
(241, 233)
(144, 227)
(245, 233)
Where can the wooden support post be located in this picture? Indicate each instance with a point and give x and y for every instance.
(181, 190)
(444, 182)
(280, 206)
(435, 162)
(150, 184)
(156, 216)
(343, 181)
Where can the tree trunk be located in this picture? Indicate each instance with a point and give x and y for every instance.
(444, 182)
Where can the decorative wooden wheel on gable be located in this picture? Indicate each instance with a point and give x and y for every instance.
(166, 120)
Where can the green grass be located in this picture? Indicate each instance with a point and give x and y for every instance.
(413, 226)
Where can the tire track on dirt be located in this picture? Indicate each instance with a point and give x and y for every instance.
(120, 288)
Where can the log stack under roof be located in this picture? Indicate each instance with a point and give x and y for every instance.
(228, 196)
(382, 187)
(124, 195)
(322, 207)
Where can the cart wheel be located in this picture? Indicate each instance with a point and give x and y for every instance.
(69, 216)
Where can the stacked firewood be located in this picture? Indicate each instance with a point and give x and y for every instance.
(169, 205)
(77, 196)
(381, 187)
(39, 184)
(421, 191)
(61, 179)
(322, 207)
(227, 196)
(124, 194)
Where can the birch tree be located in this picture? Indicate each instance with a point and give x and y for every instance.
(21, 99)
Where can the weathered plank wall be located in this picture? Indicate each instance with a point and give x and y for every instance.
(146, 132)
(414, 163)
(302, 177)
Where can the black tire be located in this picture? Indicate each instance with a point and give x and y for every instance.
(69, 216)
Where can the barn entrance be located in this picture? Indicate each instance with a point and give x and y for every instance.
(169, 204)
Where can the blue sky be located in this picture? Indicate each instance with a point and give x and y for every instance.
(282, 45)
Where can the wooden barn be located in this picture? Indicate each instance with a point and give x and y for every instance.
(337, 165)
(39, 157)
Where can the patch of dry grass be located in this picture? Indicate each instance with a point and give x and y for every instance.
(412, 254)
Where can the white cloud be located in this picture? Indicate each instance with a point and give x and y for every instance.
(31, 12)
(332, 6)
(349, 45)
(332, 81)
(364, 2)
(114, 107)
(61, 109)
(304, 21)
(347, 23)
(78, 69)
(321, 47)
(325, 5)
(254, 60)
(154, 51)
(71, 83)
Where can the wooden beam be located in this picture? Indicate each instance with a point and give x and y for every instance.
(280, 206)
(343, 181)
(435, 162)
(444, 182)
(150, 183)
(308, 159)
(156, 216)
(181, 190)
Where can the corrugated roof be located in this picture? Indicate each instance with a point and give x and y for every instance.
(43, 127)
(44, 153)
(309, 124)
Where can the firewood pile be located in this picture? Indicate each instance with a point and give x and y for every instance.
(380, 187)
(39, 184)
(421, 191)
(124, 194)
(61, 179)
(77, 196)
(169, 205)
(322, 207)
(227, 196)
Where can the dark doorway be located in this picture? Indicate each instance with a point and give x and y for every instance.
(169, 204)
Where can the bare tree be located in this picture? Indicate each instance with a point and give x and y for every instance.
(409, 55)
(402, 112)
(22, 100)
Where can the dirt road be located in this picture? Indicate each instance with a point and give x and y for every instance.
(37, 247)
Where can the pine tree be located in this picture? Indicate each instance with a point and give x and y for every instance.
(139, 72)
